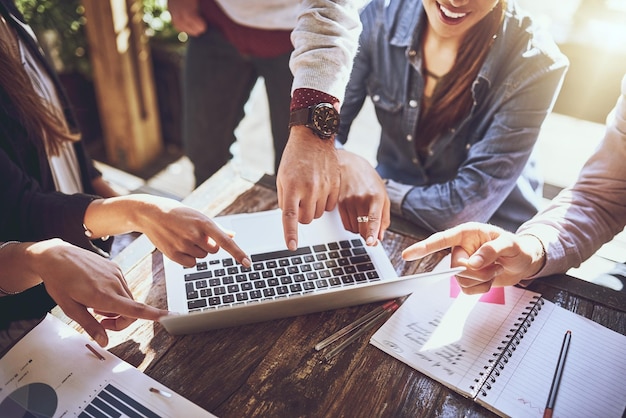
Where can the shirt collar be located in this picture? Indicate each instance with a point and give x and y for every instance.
(404, 20)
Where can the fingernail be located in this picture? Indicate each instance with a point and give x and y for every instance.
(292, 245)
(370, 240)
(246, 262)
(101, 340)
(475, 262)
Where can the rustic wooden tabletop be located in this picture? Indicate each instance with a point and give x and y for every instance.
(271, 369)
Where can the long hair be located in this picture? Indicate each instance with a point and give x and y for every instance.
(45, 127)
(452, 99)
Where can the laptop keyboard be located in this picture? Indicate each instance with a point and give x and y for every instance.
(219, 283)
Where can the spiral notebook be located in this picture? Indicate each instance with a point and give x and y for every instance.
(501, 349)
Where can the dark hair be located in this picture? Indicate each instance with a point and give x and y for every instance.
(43, 125)
(453, 97)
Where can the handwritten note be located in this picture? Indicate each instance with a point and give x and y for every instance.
(503, 354)
(447, 337)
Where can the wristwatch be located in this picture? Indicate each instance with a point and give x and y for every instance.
(322, 119)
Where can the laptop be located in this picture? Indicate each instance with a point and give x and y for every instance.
(331, 269)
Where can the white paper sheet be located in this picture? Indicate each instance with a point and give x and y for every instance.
(52, 372)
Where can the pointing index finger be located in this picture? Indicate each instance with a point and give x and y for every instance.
(290, 227)
(225, 241)
(436, 242)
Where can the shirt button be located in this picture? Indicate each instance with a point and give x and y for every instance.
(413, 103)
(409, 137)
(376, 98)
(415, 160)
(468, 146)
(412, 53)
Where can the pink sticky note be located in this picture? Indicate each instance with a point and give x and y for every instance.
(494, 295)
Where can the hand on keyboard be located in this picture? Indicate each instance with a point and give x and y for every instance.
(222, 282)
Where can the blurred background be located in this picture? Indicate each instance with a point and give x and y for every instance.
(592, 33)
(121, 63)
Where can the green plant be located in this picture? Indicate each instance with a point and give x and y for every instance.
(159, 22)
(60, 28)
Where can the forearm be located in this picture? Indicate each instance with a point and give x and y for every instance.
(591, 212)
(534, 248)
(119, 215)
(572, 229)
(23, 263)
(325, 42)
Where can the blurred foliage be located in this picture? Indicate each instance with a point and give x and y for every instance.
(60, 28)
(159, 22)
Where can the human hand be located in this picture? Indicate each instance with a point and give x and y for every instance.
(490, 255)
(362, 193)
(181, 233)
(307, 182)
(79, 280)
(184, 234)
(186, 16)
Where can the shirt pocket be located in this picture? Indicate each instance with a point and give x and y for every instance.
(388, 110)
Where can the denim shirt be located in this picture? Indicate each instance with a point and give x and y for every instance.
(481, 169)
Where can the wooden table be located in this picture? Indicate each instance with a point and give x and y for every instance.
(271, 369)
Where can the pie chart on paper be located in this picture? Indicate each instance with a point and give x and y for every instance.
(35, 400)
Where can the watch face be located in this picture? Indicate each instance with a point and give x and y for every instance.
(325, 119)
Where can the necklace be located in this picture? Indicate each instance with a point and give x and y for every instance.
(434, 76)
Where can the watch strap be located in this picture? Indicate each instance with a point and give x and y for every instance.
(300, 117)
(317, 118)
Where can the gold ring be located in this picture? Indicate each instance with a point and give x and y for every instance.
(362, 219)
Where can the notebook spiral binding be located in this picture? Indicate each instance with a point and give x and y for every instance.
(501, 357)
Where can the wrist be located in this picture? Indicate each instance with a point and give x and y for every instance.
(9, 250)
(534, 247)
(112, 216)
(137, 211)
(321, 118)
(8, 243)
(26, 264)
(305, 137)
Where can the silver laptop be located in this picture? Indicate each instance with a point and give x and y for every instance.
(331, 269)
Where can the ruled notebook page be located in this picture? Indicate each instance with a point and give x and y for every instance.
(593, 382)
(450, 336)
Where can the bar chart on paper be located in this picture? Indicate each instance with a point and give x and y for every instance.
(55, 372)
(41, 400)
